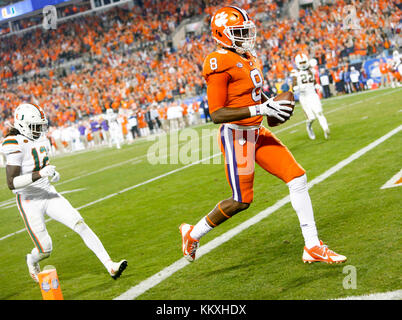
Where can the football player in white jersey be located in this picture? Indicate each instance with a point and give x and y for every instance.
(304, 83)
(28, 172)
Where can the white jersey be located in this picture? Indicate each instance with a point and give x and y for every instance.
(304, 79)
(396, 62)
(354, 76)
(113, 121)
(30, 156)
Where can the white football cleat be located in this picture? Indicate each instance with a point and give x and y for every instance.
(117, 268)
(326, 134)
(310, 131)
(33, 268)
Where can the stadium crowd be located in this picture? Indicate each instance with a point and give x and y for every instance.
(129, 65)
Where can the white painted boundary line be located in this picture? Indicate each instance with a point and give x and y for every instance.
(391, 183)
(335, 109)
(157, 278)
(128, 189)
(22, 230)
(8, 202)
(147, 181)
(390, 295)
(13, 203)
(135, 160)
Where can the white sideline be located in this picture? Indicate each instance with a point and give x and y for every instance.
(6, 203)
(10, 201)
(157, 278)
(390, 295)
(135, 160)
(147, 181)
(127, 189)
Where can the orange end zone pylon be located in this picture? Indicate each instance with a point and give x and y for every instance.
(50, 285)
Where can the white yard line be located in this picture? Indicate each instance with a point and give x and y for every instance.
(10, 202)
(390, 295)
(157, 278)
(6, 203)
(147, 181)
(13, 203)
(335, 109)
(135, 160)
(128, 189)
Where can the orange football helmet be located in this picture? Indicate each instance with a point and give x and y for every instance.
(232, 28)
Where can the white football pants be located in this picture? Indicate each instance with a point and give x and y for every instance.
(33, 210)
(312, 108)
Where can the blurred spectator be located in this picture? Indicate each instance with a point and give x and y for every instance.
(205, 108)
(354, 78)
(133, 125)
(384, 72)
(123, 59)
(83, 134)
(346, 80)
(324, 82)
(363, 79)
(155, 117)
(95, 131)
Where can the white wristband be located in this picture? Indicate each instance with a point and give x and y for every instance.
(254, 110)
(22, 181)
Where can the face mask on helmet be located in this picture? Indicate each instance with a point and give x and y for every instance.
(302, 62)
(37, 130)
(242, 37)
(303, 65)
(30, 121)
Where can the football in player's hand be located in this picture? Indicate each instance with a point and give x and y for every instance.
(288, 95)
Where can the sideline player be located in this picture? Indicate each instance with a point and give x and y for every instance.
(28, 172)
(304, 83)
(234, 81)
(115, 132)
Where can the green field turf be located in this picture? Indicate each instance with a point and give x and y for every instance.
(353, 216)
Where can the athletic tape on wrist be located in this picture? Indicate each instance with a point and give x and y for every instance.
(22, 181)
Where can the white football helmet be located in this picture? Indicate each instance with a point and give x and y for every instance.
(30, 121)
(301, 61)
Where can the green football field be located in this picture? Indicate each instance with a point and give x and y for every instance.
(136, 206)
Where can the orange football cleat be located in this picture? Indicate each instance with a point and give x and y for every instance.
(322, 253)
(190, 245)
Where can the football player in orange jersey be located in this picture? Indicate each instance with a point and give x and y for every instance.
(236, 101)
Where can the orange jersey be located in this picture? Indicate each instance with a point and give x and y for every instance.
(233, 81)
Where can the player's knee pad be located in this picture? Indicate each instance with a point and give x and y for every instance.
(46, 247)
(44, 255)
(298, 184)
(80, 226)
(38, 256)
